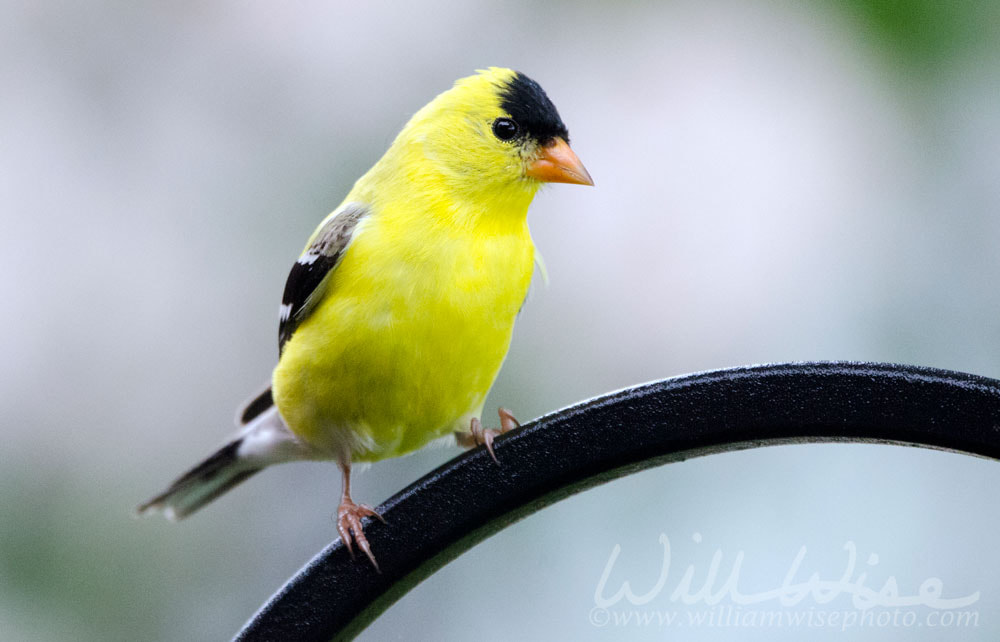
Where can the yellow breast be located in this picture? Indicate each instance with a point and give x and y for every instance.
(410, 336)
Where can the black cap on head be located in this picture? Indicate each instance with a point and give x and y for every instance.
(526, 102)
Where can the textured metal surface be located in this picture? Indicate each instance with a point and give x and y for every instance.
(469, 498)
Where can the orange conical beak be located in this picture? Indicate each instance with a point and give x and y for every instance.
(558, 164)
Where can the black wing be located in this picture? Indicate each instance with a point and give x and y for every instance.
(305, 285)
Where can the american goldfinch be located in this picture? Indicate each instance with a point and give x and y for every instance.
(397, 316)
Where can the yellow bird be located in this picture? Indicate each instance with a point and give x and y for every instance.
(397, 316)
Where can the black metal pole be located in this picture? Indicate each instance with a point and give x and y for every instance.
(469, 498)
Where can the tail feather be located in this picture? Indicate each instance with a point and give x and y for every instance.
(223, 470)
(264, 441)
(255, 407)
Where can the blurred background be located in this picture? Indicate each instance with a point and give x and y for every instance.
(776, 181)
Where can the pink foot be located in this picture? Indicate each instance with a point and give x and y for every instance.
(349, 526)
(479, 436)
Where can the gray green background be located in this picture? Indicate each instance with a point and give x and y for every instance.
(775, 181)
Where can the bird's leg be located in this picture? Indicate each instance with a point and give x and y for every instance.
(479, 436)
(349, 517)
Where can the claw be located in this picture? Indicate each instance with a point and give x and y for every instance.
(351, 531)
(368, 511)
(479, 436)
(483, 437)
(507, 421)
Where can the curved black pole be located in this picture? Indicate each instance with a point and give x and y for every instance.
(469, 498)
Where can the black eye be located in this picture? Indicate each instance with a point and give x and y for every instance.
(505, 128)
